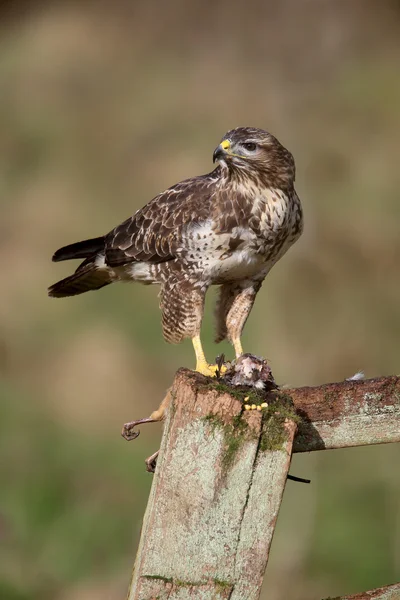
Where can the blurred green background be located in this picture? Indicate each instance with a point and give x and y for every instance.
(104, 104)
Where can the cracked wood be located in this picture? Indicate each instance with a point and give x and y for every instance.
(349, 413)
(209, 522)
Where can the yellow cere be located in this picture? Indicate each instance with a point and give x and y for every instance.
(225, 144)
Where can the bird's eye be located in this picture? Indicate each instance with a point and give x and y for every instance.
(250, 146)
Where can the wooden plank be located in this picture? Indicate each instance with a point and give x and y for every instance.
(215, 498)
(389, 592)
(349, 413)
(259, 520)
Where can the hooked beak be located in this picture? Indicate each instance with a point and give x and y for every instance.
(221, 150)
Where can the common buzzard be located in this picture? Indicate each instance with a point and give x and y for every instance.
(226, 228)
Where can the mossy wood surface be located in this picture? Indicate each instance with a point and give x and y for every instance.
(348, 413)
(215, 497)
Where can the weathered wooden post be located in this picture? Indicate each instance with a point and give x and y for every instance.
(216, 494)
(221, 473)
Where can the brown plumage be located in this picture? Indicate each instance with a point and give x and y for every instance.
(226, 228)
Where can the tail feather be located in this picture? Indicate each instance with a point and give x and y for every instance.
(87, 277)
(84, 249)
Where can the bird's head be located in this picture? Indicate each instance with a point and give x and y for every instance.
(248, 151)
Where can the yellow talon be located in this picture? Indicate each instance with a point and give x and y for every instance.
(253, 406)
(202, 365)
(258, 407)
(264, 405)
(247, 407)
(209, 370)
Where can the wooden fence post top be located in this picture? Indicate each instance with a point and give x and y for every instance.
(215, 497)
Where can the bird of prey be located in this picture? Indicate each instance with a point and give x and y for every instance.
(226, 228)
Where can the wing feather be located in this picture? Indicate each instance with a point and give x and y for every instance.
(155, 232)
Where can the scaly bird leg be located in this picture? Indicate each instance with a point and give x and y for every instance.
(237, 344)
(233, 307)
(151, 462)
(202, 365)
(128, 430)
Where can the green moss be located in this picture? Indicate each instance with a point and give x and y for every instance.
(280, 408)
(182, 583)
(223, 388)
(243, 393)
(158, 577)
(235, 434)
(214, 421)
(220, 585)
(175, 582)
